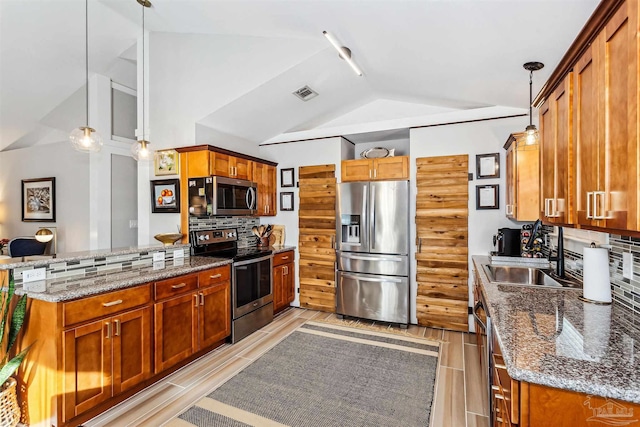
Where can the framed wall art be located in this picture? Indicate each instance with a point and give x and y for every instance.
(165, 196)
(488, 165)
(286, 201)
(487, 196)
(39, 199)
(166, 162)
(287, 177)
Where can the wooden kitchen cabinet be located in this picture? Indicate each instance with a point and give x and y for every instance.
(523, 178)
(230, 166)
(190, 321)
(283, 280)
(386, 168)
(556, 164)
(265, 176)
(606, 133)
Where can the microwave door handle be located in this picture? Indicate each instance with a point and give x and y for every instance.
(250, 198)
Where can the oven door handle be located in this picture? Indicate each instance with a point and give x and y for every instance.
(475, 314)
(252, 261)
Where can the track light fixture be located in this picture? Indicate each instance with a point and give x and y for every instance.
(343, 52)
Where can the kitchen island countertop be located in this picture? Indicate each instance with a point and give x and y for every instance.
(59, 290)
(550, 337)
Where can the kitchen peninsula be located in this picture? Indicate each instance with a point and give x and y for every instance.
(556, 357)
(104, 325)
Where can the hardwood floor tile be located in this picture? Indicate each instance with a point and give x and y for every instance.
(433, 333)
(477, 395)
(452, 356)
(449, 410)
(416, 330)
(267, 343)
(475, 420)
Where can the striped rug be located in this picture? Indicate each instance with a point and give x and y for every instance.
(325, 375)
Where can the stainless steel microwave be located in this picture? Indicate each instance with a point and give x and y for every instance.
(217, 195)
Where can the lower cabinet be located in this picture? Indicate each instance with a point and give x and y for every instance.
(105, 358)
(283, 280)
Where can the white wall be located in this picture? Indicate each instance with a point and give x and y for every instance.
(294, 155)
(472, 138)
(71, 170)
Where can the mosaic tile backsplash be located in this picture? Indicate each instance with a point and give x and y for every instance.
(242, 223)
(625, 291)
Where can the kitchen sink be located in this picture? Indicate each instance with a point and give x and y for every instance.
(529, 276)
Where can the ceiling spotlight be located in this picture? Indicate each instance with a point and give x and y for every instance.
(531, 131)
(343, 52)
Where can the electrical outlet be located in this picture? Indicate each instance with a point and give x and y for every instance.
(178, 253)
(158, 265)
(34, 275)
(158, 256)
(133, 223)
(627, 265)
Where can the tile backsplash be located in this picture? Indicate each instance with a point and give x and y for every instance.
(624, 291)
(242, 223)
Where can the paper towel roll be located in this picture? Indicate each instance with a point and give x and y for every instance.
(596, 285)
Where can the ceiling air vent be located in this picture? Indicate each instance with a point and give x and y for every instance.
(305, 93)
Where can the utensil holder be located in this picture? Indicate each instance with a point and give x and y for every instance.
(263, 242)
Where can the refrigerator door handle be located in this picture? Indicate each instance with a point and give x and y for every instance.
(370, 279)
(373, 219)
(372, 258)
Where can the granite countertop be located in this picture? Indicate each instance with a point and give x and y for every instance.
(58, 290)
(44, 260)
(550, 337)
(280, 249)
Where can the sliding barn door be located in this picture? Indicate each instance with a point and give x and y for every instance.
(317, 223)
(442, 217)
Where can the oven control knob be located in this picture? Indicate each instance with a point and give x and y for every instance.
(232, 234)
(206, 237)
(201, 237)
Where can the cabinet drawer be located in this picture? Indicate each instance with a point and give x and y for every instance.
(213, 276)
(105, 304)
(175, 286)
(283, 258)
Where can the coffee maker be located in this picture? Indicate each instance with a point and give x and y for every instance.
(507, 242)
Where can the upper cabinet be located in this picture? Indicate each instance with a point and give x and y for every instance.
(590, 121)
(606, 132)
(523, 179)
(386, 168)
(555, 163)
(230, 166)
(265, 176)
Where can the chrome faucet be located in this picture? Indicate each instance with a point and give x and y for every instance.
(559, 258)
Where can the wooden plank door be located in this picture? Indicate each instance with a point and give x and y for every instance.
(317, 224)
(442, 236)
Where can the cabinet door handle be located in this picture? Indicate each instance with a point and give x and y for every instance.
(201, 298)
(195, 297)
(108, 324)
(285, 270)
(554, 208)
(599, 203)
(370, 173)
(375, 173)
(215, 276)
(285, 257)
(547, 207)
(117, 332)
(509, 209)
(178, 286)
(112, 303)
(589, 196)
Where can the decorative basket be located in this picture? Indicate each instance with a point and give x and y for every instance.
(9, 409)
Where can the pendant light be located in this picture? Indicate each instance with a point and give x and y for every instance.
(140, 148)
(85, 138)
(531, 131)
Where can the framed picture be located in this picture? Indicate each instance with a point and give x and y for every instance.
(487, 196)
(286, 201)
(165, 196)
(39, 199)
(166, 162)
(286, 177)
(488, 165)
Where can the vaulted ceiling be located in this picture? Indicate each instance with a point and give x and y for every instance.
(419, 57)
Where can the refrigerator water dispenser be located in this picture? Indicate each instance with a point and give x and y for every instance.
(350, 228)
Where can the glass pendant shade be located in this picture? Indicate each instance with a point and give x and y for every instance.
(532, 135)
(140, 150)
(86, 139)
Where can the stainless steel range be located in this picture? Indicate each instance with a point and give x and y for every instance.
(251, 287)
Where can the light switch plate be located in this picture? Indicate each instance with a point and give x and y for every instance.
(34, 275)
(158, 256)
(627, 265)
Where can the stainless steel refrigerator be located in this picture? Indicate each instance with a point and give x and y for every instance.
(372, 250)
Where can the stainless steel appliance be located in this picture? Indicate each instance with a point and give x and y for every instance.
(251, 285)
(372, 247)
(217, 195)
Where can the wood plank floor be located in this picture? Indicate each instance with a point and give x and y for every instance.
(459, 399)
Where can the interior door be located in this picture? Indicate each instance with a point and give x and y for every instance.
(352, 213)
(389, 217)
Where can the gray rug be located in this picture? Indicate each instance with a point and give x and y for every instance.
(323, 376)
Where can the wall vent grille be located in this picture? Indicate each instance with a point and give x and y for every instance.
(305, 93)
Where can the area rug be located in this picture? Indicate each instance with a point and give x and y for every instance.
(325, 375)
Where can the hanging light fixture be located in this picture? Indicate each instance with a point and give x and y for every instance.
(531, 131)
(85, 138)
(140, 148)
